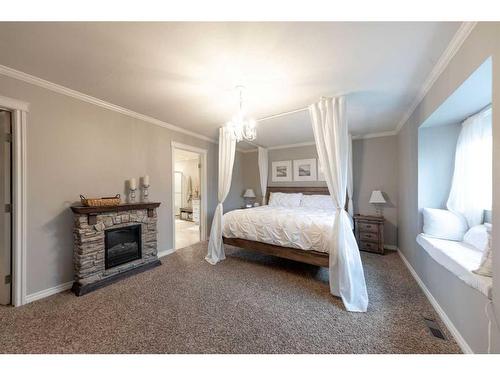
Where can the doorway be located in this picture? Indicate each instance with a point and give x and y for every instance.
(188, 193)
(6, 207)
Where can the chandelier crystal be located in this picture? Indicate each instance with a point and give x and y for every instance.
(242, 127)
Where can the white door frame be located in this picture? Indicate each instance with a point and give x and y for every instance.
(203, 187)
(19, 111)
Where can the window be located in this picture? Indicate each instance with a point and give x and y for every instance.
(471, 188)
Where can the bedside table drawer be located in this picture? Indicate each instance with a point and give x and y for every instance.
(369, 246)
(368, 227)
(369, 236)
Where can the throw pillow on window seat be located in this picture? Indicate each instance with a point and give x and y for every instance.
(485, 267)
(444, 224)
(478, 236)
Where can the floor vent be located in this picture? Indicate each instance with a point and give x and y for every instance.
(434, 328)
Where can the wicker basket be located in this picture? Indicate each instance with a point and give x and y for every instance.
(101, 202)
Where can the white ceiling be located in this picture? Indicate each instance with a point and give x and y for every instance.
(185, 73)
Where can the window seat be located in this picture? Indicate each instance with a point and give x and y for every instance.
(459, 258)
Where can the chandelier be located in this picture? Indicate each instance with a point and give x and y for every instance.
(241, 127)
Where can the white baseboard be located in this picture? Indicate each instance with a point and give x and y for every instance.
(447, 322)
(48, 292)
(65, 286)
(163, 253)
(390, 247)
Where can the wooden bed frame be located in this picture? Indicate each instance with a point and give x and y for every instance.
(315, 258)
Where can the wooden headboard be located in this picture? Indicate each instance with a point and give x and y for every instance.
(307, 190)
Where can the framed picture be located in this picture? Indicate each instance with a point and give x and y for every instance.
(304, 170)
(282, 171)
(321, 175)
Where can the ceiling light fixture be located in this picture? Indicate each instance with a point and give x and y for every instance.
(242, 127)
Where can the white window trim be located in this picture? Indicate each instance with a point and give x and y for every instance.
(19, 110)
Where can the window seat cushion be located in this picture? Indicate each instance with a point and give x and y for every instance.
(459, 258)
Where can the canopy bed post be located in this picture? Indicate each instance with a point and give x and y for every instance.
(331, 136)
(263, 171)
(227, 149)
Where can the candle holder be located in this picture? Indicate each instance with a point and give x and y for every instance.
(131, 196)
(145, 193)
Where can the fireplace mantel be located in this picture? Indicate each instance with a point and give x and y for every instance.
(92, 212)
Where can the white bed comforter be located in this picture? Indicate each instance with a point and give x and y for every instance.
(301, 228)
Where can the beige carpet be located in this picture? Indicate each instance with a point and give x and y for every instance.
(247, 304)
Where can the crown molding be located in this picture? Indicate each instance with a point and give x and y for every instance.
(312, 143)
(456, 42)
(375, 135)
(28, 78)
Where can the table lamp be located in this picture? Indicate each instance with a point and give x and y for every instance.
(249, 197)
(378, 200)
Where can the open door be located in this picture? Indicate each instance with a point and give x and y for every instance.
(5, 208)
(189, 186)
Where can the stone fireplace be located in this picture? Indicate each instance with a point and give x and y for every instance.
(111, 243)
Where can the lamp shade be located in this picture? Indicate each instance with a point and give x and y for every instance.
(377, 197)
(249, 193)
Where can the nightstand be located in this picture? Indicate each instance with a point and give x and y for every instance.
(369, 231)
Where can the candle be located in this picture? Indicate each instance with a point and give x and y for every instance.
(145, 180)
(132, 184)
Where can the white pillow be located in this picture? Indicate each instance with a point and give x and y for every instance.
(478, 237)
(317, 201)
(289, 200)
(444, 224)
(485, 267)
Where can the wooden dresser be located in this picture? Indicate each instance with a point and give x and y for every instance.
(369, 231)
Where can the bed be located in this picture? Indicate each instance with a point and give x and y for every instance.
(299, 234)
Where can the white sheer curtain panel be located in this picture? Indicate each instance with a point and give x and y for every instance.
(471, 187)
(227, 149)
(350, 206)
(331, 136)
(263, 171)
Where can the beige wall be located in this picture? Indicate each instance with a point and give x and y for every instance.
(374, 167)
(463, 305)
(189, 169)
(78, 148)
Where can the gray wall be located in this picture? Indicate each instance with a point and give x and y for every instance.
(374, 167)
(467, 314)
(250, 166)
(436, 163)
(295, 153)
(78, 148)
(234, 199)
